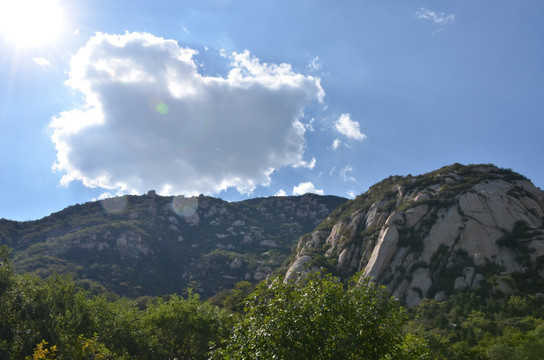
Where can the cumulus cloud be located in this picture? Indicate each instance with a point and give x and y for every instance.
(306, 187)
(281, 192)
(152, 121)
(439, 18)
(41, 61)
(350, 128)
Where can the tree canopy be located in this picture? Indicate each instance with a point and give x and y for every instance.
(319, 318)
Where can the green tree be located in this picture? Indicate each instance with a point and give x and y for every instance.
(6, 283)
(184, 328)
(319, 318)
(120, 327)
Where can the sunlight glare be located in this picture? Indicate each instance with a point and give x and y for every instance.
(30, 22)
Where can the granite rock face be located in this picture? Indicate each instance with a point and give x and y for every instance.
(433, 234)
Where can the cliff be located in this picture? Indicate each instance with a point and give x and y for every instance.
(434, 234)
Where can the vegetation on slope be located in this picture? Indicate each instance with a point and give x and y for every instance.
(155, 245)
(316, 318)
(54, 319)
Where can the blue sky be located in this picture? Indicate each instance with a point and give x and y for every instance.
(241, 99)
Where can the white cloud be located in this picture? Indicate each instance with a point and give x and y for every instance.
(310, 125)
(152, 121)
(335, 144)
(41, 61)
(306, 164)
(345, 174)
(281, 192)
(345, 126)
(436, 17)
(306, 187)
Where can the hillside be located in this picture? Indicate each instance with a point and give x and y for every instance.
(152, 245)
(432, 235)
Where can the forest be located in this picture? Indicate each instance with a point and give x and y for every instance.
(317, 318)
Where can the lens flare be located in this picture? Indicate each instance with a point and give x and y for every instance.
(156, 104)
(162, 108)
(189, 135)
(114, 205)
(184, 206)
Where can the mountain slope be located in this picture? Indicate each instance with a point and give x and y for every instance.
(151, 245)
(437, 233)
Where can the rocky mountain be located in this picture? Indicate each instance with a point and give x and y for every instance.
(152, 245)
(431, 235)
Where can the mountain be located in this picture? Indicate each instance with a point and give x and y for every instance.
(153, 245)
(428, 236)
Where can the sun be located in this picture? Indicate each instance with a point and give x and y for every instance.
(30, 22)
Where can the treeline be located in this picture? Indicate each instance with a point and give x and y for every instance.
(318, 318)
(54, 319)
(473, 326)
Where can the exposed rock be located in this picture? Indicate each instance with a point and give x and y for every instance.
(235, 264)
(297, 267)
(269, 243)
(460, 221)
(440, 296)
(504, 286)
(460, 283)
(384, 249)
(259, 276)
(422, 197)
(193, 219)
(478, 279)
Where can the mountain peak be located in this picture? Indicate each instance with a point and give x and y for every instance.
(433, 234)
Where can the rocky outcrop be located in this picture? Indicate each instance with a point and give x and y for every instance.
(434, 234)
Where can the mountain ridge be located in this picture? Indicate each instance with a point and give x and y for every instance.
(152, 245)
(426, 236)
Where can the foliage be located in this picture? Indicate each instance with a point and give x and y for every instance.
(233, 299)
(53, 318)
(42, 352)
(514, 238)
(318, 319)
(467, 326)
(183, 329)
